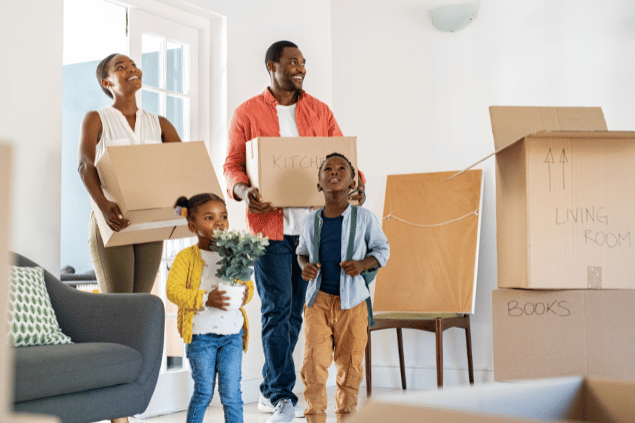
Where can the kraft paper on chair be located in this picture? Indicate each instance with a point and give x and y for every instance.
(433, 228)
(429, 282)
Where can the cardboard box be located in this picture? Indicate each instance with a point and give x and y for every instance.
(563, 219)
(573, 399)
(561, 333)
(285, 169)
(145, 181)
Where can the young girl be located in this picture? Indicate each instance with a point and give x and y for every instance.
(214, 335)
(335, 314)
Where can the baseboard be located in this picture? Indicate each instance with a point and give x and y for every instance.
(425, 377)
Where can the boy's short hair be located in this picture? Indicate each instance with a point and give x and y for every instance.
(337, 155)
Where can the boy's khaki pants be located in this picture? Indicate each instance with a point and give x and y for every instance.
(333, 333)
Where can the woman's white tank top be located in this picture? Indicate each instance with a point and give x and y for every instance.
(117, 131)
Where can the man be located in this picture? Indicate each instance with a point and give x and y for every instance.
(283, 109)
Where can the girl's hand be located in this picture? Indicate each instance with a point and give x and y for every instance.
(217, 299)
(114, 217)
(245, 295)
(352, 267)
(310, 271)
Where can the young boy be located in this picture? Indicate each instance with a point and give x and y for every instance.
(335, 314)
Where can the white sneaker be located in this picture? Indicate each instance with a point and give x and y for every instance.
(284, 412)
(264, 404)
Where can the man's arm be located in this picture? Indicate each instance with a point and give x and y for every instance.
(234, 167)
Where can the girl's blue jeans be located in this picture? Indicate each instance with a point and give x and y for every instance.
(210, 355)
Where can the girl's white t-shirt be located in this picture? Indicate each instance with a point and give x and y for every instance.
(212, 319)
(292, 216)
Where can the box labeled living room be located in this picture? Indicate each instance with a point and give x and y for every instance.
(564, 208)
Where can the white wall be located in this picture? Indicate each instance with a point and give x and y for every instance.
(31, 120)
(418, 98)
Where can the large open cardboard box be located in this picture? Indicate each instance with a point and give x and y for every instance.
(573, 399)
(145, 181)
(285, 169)
(563, 220)
(561, 333)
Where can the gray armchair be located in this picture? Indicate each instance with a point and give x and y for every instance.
(109, 371)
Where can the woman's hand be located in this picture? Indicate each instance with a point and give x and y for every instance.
(217, 299)
(114, 217)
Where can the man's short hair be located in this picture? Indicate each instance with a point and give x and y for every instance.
(274, 52)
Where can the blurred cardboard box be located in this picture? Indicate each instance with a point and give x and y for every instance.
(145, 181)
(564, 219)
(541, 334)
(285, 169)
(573, 399)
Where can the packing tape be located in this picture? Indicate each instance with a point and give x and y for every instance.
(594, 277)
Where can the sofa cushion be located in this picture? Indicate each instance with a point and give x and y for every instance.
(51, 370)
(32, 320)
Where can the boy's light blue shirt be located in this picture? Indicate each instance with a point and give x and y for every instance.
(369, 241)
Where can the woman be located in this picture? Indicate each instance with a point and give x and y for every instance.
(128, 268)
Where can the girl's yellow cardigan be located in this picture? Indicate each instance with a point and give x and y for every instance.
(182, 289)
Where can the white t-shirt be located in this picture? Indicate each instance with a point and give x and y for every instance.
(212, 319)
(292, 216)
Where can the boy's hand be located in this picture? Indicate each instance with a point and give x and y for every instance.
(352, 267)
(245, 295)
(310, 271)
(217, 299)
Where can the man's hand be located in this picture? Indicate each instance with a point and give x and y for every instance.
(217, 299)
(359, 194)
(253, 199)
(310, 271)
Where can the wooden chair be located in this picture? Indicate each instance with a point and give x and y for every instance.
(436, 323)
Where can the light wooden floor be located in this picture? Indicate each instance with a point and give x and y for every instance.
(253, 415)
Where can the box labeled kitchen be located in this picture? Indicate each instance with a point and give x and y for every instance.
(285, 169)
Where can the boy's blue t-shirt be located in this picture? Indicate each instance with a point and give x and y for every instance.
(330, 251)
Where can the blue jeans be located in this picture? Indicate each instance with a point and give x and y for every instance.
(282, 291)
(209, 355)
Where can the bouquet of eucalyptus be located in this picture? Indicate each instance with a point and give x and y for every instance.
(238, 251)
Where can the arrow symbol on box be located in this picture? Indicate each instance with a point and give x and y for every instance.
(563, 160)
(549, 160)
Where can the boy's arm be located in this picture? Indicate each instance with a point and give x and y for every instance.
(309, 270)
(356, 267)
(378, 247)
